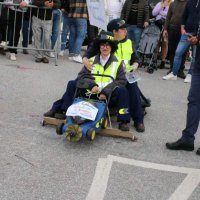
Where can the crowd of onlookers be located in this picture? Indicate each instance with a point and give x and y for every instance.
(177, 20)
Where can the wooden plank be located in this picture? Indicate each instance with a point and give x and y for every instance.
(52, 121)
(118, 133)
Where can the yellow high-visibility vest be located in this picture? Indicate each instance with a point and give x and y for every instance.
(111, 70)
(124, 53)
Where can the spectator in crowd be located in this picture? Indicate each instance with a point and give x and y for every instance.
(27, 30)
(136, 14)
(104, 63)
(65, 27)
(42, 27)
(172, 28)
(127, 53)
(186, 142)
(188, 28)
(55, 29)
(78, 16)
(113, 8)
(160, 12)
(13, 18)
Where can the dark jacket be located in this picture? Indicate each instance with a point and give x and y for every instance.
(197, 58)
(40, 13)
(143, 11)
(92, 51)
(119, 81)
(191, 15)
(174, 15)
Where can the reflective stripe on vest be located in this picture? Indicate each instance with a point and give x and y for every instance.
(124, 52)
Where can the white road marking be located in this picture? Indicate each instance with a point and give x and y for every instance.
(183, 192)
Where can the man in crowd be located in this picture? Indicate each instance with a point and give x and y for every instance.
(186, 142)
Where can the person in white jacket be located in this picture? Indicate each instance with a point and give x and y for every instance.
(113, 8)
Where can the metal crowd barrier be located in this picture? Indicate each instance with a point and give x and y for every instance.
(27, 10)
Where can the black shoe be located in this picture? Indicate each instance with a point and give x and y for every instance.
(124, 126)
(38, 60)
(50, 113)
(181, 74)
(139, 127)
(25, 51)
(198, 151)
(180, 145)
(162, 65)
(61, 116)
(45, 60)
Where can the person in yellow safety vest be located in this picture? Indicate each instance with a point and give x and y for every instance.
(125, 52)
(104, 63)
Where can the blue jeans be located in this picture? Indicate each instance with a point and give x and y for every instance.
(182, 47)
(78, 30)
(134, 33)
(27, 33)
(193, 111)
(65, 31)
(55, 27)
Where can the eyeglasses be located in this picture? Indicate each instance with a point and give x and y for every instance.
(105, 45)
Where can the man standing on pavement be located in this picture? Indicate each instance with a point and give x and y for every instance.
(186, 142)
(42, 26)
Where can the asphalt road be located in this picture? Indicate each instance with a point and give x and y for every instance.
(37, 164)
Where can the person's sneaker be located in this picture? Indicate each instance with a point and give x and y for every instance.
(198, 151)
(162, 65)
(38, 60)
(50, 113)
(25, 51)
(180, 145)
(45, 60)
(139, 127)
(51, 55)
(60, 115)
(124, 126)
(3, 44)
(170, 76)
(188, 78)
(78, 59)
(181, 74)
(61, 53)
(13, 57)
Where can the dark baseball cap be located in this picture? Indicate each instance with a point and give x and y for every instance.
(116, 24)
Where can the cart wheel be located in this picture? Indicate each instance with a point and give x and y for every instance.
(91, 134)
(43, 122)
(73, 132)
(59, 129)
(104, 123)
(150, 70)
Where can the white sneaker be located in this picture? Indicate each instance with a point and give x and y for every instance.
(170, 76)
(78, 59)
(61, 53)
(3, 44)
(188, 78)
(13, 57)
(51, 55)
